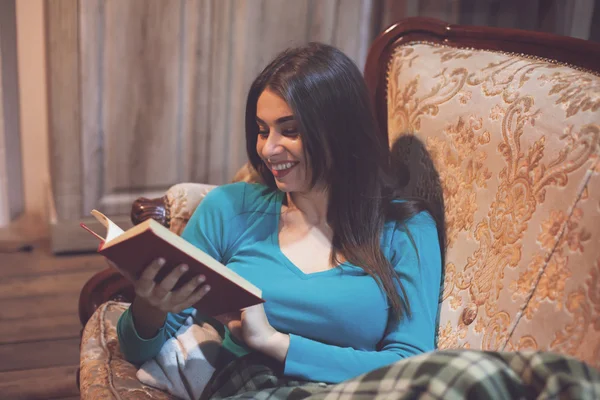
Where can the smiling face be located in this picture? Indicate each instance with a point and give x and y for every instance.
(279, 143)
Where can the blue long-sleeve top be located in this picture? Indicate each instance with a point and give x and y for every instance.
(339, 321)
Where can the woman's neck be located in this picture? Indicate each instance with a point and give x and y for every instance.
(313, 205)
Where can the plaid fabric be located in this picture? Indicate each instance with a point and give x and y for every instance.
(450, 374)
(258, 377)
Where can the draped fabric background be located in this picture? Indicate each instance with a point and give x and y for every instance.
(11, 174)
(351, 25)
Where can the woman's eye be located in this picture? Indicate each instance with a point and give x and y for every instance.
(263, 132)
(290, 132)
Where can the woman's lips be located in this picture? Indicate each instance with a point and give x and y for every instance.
(280, 173)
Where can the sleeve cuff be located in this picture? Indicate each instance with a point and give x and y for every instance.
(135, 348)
(298, 356)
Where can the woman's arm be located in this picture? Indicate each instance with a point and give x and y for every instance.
(147, 319)
(137, 349)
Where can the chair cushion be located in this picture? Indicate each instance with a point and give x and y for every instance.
(516, 144)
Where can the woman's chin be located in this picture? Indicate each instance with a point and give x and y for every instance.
(286, 186)
(283, 186)
(290, 183)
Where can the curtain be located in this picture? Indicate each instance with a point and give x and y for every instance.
(253, 31)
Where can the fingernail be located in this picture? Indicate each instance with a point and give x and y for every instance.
(184, 268)
(201, 278)
(206, 288)
(161, 261)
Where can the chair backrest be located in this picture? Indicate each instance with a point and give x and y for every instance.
(502, 128)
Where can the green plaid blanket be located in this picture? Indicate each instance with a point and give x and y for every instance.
(450, 374)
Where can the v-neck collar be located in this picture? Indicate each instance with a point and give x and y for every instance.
(278, 204)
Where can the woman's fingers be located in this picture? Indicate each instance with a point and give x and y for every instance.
(151, 270)
(169, 281)
(186, 290)
(195, 297)
(145, 284)
(162, 295)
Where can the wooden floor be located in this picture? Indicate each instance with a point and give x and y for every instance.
(39, 324)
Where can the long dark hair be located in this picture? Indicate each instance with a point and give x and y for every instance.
(328, 96)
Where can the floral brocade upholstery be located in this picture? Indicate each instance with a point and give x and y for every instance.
(516, 144)
(181, 201)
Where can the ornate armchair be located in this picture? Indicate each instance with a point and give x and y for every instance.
(500, 129)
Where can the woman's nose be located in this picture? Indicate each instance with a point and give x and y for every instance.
(273, 145)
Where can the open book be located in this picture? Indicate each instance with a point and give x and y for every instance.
(133, 250)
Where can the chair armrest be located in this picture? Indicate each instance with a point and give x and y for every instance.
(109, 284)
(104, 286)
(157, 209)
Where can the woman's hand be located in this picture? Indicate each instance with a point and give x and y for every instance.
(154, 301)
(254, 329)
(162, 296)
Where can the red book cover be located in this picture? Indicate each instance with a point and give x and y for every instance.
(136, 248)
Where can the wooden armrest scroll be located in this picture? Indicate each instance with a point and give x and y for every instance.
(157, 209)
(106, 285)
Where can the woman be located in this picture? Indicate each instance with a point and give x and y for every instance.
(351, 275)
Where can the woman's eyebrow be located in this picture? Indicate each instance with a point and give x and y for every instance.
(279, 121)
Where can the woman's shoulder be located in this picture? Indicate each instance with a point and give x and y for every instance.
(421, 224)
(234, 189)
(421, 221)
(239, 196)
(415, 236)
(422, 218)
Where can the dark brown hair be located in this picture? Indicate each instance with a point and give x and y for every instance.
(328, 96)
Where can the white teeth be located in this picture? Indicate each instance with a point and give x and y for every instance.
(280, 167)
